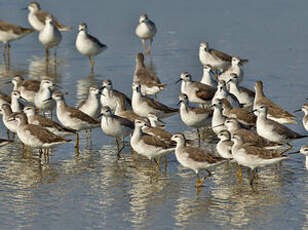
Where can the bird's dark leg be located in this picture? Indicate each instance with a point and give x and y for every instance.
(157, 163)
(252, 177)
(77, 141)
(8, 134)
(199, 141)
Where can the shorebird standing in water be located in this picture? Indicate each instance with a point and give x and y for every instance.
(272, 130)
(143, 105)
(52, 126)
(73, 118)
(275, 112)
(252, 156)
(219, 61)
(88, 45)
(27, 88)
(196, 91)
(194, 117)
(37, 18)
(116, 100)
(150, 83)
(10, 32)
(146, 30)
(115, 126)
(91, 105)
(34, 135)
(194, 158)
(148, 146)
(50, 36)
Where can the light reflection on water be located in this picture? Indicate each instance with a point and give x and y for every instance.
(94, 190)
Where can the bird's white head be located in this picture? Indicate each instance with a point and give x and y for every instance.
(179, 138)
(224, 135)
(34, 6)
(204, 45)
(143, 18)
(82, 27)
(29, 110)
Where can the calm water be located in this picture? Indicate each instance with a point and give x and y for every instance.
(94, 190)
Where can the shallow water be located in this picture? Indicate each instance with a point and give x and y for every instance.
(95, 190)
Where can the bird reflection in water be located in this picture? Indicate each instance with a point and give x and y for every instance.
(40, 67)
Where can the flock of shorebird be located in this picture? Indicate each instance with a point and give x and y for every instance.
(250, 127)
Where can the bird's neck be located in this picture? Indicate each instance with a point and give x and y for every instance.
(233, 88)
(180, 144)
(140, 64)
(137, 133)
(184, 106)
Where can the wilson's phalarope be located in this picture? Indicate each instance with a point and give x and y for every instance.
(88, 45)
(207, 77)
(272, 130)
(50, 36)
(16, 106)
(114, 98)
(194, 117)
(155, 121)
(218, 60)
(154, 130)
(150, 83)
(6, 111)
(146, 30)
(224, 146)
(143, 105)
(73, 118)
(245, 96)
(195, 91)
(275, 112)
(241, 115)
(235, 68)
(27, 88)
(37, 18)
(10, 32)
(115, 126)
(41, 97)
(34, 135)
(194, 158)
(305, 118)
(46, 123)
(218, 118)
(249, 136)
(222, 92)
(253, 157)
(91, 105)
(146, 145)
